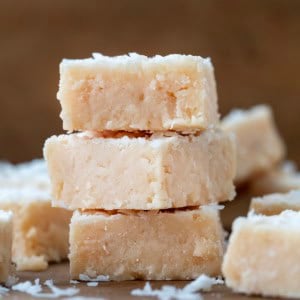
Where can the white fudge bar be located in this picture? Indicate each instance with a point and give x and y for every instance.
(40, 232)
(6, 227)
(281, 179)
(274, 204)
(134, 92)
(149, 172)
(263, 255)
(147, 245)
(259, 146)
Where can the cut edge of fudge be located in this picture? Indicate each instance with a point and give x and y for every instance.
(274, 204)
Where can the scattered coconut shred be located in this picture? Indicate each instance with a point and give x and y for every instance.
(189, 292)
(3, 290)
(93, 283)
(167, 292)
(83, 298)
(84, 277)
(35, 289)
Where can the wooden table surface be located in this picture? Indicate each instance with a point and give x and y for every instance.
(109, 290)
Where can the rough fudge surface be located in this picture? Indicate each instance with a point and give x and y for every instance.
(6, 228)
(274, 204)
(90, 171)
(262, 255)
(148, 245)
(133, 92)
(259, 146)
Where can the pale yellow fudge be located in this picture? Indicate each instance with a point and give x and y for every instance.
(149, 172)
(259, 146)
(133, 92)
(6, 228)
(148, 245)
(40, 233)
(274, 204)
(262, 255)
(281, 179)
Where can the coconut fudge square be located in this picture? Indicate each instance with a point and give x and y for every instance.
(263, 255)
(40, 231)
(6, 228)
(140, 172)
(274, 204)
(133, 92)
(259, 146)
(147, 245)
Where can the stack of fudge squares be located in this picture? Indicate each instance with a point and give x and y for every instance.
(143, 166)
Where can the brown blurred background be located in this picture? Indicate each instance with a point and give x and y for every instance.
(254, 45)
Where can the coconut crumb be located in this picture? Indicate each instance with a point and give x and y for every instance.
(92, 283)
(168, 292)
(3, 290)
(83, 298)
(202, 283)
(84, 277)
(35, 289)
(28, 287)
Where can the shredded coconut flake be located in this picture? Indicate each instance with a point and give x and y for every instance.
(35, 289)
(3, 290)
(216, 206)
(93, 283)
(84, 277)
(83, 298)
(189, 292)
(28, 287)
(202, 283)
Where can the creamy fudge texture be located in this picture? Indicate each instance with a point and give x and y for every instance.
(259, 146)
(281, 179)
(274, 204)
(263, 257)
(149, 172)
(6, 227)
(148, 245)
(133, 92)
(40, 232)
